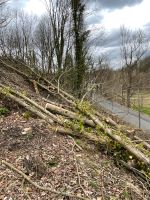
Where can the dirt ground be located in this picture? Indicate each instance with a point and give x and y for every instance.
(53, 160)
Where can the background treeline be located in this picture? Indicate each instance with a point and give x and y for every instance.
(58, 45)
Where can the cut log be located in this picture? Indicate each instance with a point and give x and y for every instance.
(145, 144)
(69, 114)
(65, 106)
(35, 87)
(91, 137)
(25, 105)
(33, 103)
(124, 141)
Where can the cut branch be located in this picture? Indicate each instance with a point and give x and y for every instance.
(69, 114)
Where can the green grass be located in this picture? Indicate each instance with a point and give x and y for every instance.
(144, 109)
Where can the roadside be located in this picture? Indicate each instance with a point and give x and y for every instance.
(127, 115)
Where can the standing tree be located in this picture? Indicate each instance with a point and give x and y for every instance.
(80, 37)
(3, 13)
(133, 48)
(58, 17)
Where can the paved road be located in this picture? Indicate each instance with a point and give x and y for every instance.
(125, 113)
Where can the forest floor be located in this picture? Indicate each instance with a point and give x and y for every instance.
(57, 161)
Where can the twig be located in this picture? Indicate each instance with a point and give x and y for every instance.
(135, 189)
(38, 186)
(137, 172)
(36, 87)
(75, 144)
(79, 179)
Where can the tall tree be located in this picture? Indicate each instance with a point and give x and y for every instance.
(80, 37)
(58, 15)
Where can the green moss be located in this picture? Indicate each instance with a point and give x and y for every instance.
(126, 195)
(94, 185)
(79, 142)
(3, 111)
(26, 115)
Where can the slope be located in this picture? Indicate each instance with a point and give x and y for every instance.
(79, 164)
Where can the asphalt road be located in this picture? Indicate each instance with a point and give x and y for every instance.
(124, 113)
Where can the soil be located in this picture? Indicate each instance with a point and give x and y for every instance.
(54, 161)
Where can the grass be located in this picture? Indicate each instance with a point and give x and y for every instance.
(144, 109)
(145, 102)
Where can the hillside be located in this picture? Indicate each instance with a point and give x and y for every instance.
(65, 161)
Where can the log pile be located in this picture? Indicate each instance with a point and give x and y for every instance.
(79, 119)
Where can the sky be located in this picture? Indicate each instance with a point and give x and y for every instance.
(106, 15)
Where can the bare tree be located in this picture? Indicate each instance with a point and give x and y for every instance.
(44, 44)
(133, 48)
(4, 16)
(58, 11)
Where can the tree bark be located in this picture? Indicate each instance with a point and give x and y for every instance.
(70, 114)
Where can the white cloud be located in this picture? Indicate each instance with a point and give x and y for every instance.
(133, 17)
(35, 7)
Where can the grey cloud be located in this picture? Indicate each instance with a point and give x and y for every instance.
(93, 19)
(147, 28)
(113, 39)
(18, 3)
(107, 40)
(109, 4)
(114, 56)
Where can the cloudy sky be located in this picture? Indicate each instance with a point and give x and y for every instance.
(108, 15)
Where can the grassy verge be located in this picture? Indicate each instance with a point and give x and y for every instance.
(144, 109)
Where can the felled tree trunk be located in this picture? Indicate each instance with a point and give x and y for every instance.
(67, 113)
(25, 105)
(121, 139)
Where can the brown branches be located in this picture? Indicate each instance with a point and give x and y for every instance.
(10, 166)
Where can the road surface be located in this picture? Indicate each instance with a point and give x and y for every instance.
(124, 113)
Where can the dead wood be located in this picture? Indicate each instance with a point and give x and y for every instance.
(121, 139)
(135, 171)
(55, 93)
(139, 140)
(10, 166)
(84, 134)
(50, 84)
(65, 106)
(35, 87)
(50, 88)
(25, 105)
(70, 114)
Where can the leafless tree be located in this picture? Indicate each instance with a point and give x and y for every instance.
(44, 44)
(133, 48)
(4, 14)
(58, 11)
